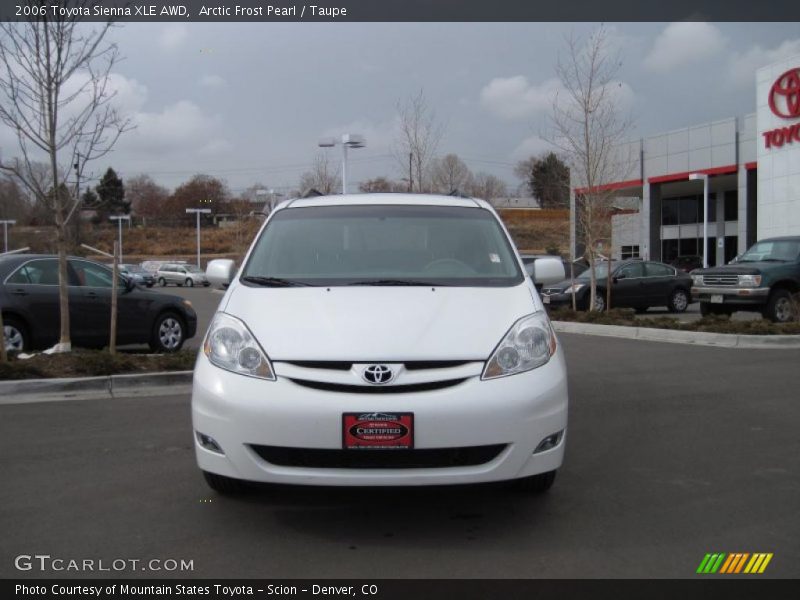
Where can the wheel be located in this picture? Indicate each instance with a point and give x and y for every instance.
(224, 485)
(168, 333)
(162, 282)
(600, 300)
(189, 282)
(16, 335)
(535, 483)
(678, 300)
(779, 308)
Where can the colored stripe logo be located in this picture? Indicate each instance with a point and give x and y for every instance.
(734, 563)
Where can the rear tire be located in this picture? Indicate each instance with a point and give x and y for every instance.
(16, 335)
(536, 484)
(779, 308)
(162, 282)
(189, 282)
(224, 485)
(678, 300)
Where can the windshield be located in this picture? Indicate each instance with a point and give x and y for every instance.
(383, 245)
(600, 272)
(782, 250)
(132, 268)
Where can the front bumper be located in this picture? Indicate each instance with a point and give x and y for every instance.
(730, 295)
(519, 412)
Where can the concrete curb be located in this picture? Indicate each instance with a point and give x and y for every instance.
(88, 388)
(696, 338)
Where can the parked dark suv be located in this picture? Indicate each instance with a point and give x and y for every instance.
(29, 298)
(634, 284)
(762, 279)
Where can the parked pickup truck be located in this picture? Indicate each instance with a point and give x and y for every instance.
(763, 279)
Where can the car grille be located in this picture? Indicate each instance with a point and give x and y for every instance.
(425, 458)
(426, 386)
(720, 280)
(411, 365)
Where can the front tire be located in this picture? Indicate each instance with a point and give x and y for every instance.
(16, 335)
(224, 485)
(189, 282)
(536, 484)
(780, 308)
(162, 282)
(169, 333)
(678, 300)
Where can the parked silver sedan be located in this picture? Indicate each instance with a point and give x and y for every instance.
(181, 275)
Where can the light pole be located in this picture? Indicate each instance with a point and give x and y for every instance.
(704, 178)
(198, 212)
(6, 223)
(119, 219)
(349, 140)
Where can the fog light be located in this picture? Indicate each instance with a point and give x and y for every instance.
(548, 443)
(209, 443)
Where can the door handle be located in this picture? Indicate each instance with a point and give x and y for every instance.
(20, 292)
(91, 294)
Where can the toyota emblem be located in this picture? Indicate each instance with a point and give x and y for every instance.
(784, 96)
(378, 374)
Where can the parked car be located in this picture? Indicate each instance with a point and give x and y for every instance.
(762, 279)
(380, 340)
(30, 303)
(137, 274)
(687, 262)
(634, 284)
(180, 275)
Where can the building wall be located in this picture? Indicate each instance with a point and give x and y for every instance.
(778, 167)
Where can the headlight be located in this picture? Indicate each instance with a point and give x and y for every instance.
(697, 279)
(749, 280)
(230, 346)
(528, 344)
(574, 288)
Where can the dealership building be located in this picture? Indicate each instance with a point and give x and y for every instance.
(753, 168)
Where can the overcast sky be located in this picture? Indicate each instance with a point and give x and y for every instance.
(248, 102)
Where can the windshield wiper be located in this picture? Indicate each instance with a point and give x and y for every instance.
(388, 282)
(274, 281)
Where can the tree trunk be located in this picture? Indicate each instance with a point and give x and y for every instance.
(112, 343)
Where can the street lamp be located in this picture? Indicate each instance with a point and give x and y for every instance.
(6, 223)
(119, 219)
(704, 178)
(349, 140)
(198, 212)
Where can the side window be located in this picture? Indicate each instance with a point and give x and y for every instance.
(657, 270)
(36, 272)
(631, 270)
(92, 275)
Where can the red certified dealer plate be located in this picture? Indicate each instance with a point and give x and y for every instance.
(378, 430)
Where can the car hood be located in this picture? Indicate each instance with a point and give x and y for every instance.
(753, 268)
(379, 323)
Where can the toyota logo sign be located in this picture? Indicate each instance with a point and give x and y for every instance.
(377, 374)
(784, 96)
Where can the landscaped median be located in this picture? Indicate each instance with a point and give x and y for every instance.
(94, 374)
(711, 330)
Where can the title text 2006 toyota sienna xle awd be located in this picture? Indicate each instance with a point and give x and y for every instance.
(379, 340)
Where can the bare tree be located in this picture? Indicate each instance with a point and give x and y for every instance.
(322, 177)
(487, 187)
(418, 139)
(589, 131)
(449, 174)
(55, 96)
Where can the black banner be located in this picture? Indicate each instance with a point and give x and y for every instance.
(402, 10)
(739, 588)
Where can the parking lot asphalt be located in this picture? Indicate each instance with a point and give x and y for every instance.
(672, 452)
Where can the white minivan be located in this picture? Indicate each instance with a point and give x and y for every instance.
(380, 340)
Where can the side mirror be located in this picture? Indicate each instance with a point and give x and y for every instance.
(547, 271)
(220, 272)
